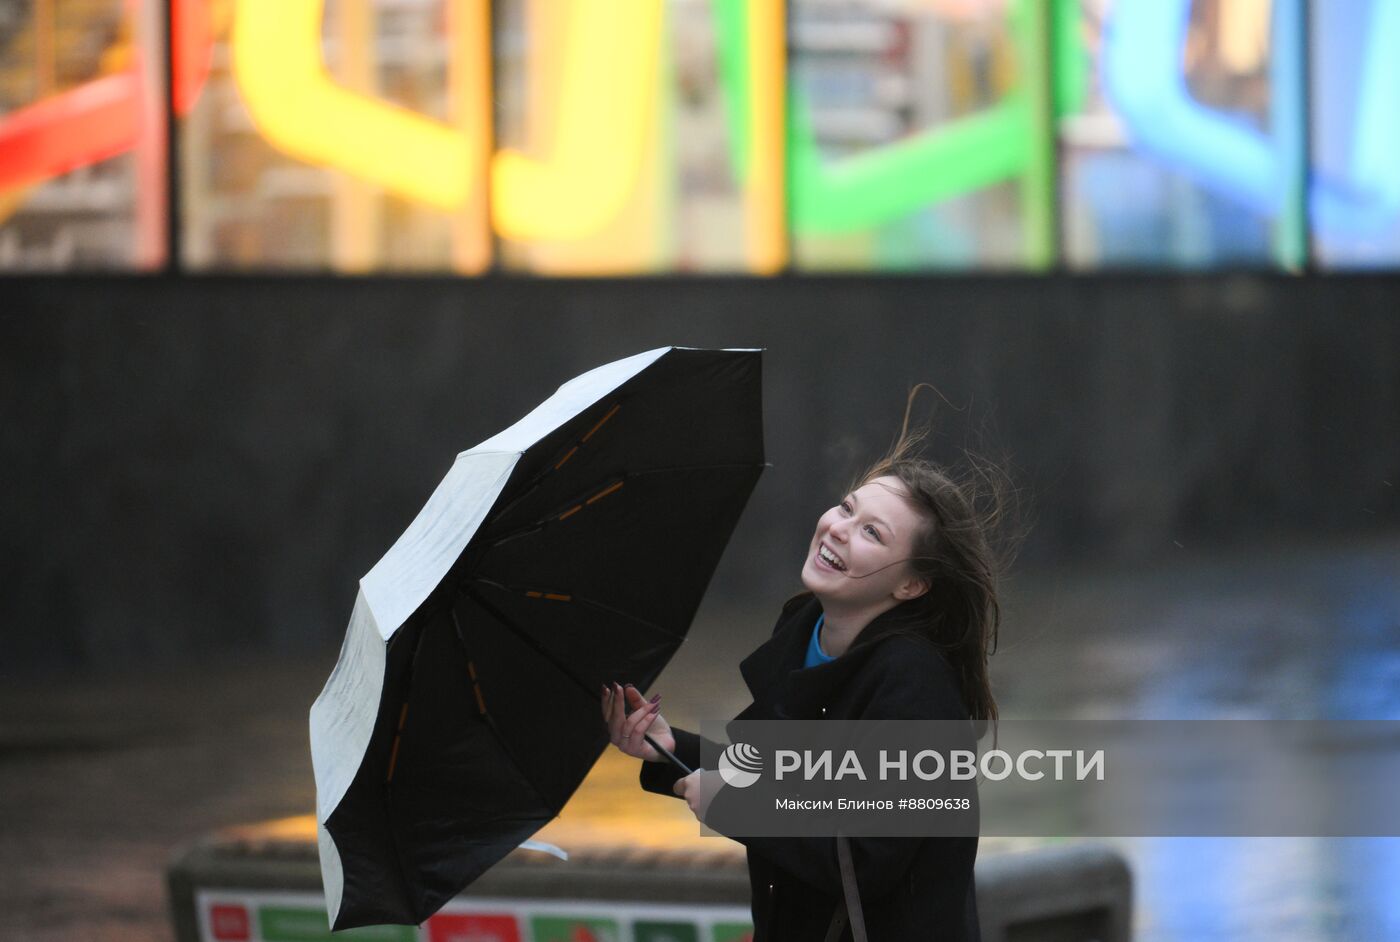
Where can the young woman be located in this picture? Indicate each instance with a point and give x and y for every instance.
(898, 619)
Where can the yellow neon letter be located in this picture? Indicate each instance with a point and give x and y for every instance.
(765, 206)
(607, 86)
(299, 108)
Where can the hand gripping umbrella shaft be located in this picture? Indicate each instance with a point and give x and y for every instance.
(668, 754)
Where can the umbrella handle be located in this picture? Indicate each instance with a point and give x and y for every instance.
(668, 755)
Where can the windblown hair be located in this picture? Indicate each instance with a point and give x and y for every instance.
(963, 551)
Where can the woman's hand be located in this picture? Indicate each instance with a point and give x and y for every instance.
(628, 731)
(698, 789)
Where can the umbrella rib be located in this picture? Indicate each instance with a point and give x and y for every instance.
(550, 468)
(582, 600)
(599, 491)
(564, 512)
(523, 635)
(485, 714)
(587, 691)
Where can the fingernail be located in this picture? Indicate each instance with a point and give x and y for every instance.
(656, 699)
(628, 685)
(655, 707)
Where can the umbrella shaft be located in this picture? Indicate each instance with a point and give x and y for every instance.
(668, 755)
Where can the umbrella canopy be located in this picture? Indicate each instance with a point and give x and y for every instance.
(569, 550)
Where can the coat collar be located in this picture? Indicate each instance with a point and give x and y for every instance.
(778, 661)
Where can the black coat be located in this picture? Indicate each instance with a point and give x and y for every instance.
(911, 888)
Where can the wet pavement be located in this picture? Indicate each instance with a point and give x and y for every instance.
(1276, 632)
(103, 779)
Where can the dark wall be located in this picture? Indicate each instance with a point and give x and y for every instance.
(191, 462)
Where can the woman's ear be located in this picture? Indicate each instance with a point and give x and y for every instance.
(911, 588)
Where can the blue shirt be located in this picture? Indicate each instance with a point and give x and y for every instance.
(815, 654)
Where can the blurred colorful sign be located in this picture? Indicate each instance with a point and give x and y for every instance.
(665, 932)
(229, 923)
(302, 111)
(586, 190)
(733, 932)
(944, 161)
(575, 929)
(106, 116)
(309, 924)
(474, 927)
(1264, 171)
(281, 916)
(605, 83)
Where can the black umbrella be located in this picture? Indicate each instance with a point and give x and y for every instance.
(570, 550)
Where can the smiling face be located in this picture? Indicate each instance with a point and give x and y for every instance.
(858, 560)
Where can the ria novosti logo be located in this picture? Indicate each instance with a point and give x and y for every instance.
(740, 765)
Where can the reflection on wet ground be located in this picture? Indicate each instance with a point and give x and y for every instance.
(1278, 633)
(100, 780)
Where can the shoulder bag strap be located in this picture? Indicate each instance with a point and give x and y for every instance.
(849, 909)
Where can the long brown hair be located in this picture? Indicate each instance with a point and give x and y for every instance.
(963, 552)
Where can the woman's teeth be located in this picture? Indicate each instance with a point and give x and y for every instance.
(830, 559)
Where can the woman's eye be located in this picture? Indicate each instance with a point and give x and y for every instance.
(869, 528)
(846, 506)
